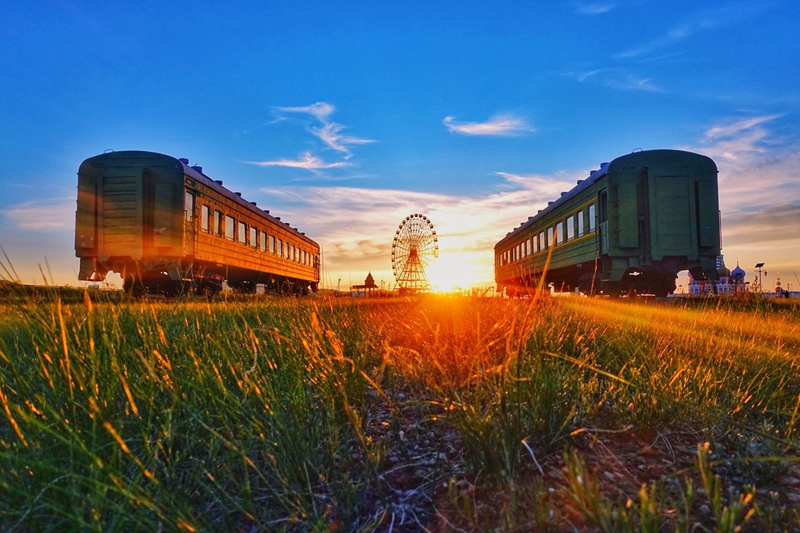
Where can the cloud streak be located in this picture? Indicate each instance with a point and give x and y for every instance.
(307, 162)
(498, 126)
(617, 78)
(704, 20)
(43, 215)
(593, 8)
(329, 132)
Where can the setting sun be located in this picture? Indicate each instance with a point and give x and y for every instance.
(454, 270)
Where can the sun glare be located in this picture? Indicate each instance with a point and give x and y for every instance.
(454, 272)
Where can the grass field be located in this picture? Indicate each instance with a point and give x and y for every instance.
(399, 415)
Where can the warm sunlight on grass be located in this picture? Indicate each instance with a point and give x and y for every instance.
(474, 414)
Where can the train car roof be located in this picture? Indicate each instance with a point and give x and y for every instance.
(594, 175)
(195, 172)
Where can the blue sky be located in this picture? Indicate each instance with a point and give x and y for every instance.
(345, 117)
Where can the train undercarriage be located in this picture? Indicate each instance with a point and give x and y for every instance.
(657, 279)
(178, 278)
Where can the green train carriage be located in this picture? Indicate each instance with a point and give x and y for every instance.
(632, 225)
(166, 227)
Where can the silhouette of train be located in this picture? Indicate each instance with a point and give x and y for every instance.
(632, 225)
(166, 227)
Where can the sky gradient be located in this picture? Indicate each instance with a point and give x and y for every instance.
(343, 118)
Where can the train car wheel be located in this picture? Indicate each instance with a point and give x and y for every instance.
(611, 288)
(134, 287)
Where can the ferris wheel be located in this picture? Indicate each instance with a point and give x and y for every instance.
(414, 248)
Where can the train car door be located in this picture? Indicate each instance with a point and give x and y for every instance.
(602, 201)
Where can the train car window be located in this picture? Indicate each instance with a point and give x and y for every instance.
(580, 222)
(542, 244)
(230, 227)
(293, 253)
(570, 228)
(188, 206)
(272, 244)
(253, 237)
(242, 233)
(280, 247)
(263, 241)
(527, 247)
(205, 215)
(549, 242)
(534, 243)
(559, 232)
(218, 229)
(592, 218)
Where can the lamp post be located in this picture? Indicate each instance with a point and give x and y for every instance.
(759, 266)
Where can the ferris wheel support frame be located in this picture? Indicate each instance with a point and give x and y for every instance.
(415, 246)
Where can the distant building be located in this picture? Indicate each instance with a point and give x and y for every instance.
(366, 290)
(729, 283)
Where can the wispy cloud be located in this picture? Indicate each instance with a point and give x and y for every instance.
(329, 132)
(498, 125)
(593, 8)
(618, 78)
(307, 162)
(43, 215)
(735, 129)
(704, 20)
(671, 37)
(320, 110)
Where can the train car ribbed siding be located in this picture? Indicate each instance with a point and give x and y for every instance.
(141, 214)
(654, 213)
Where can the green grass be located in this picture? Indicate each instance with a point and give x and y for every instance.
(333, 415)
